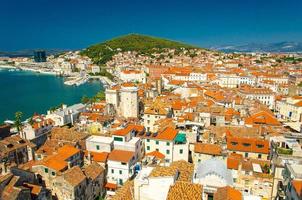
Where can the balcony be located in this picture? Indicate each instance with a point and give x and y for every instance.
(284, 151)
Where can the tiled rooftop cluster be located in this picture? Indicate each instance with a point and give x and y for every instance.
(191, 124)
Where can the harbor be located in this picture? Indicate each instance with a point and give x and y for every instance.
(38, 92)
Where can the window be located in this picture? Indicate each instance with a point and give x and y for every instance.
(157, 142)
(121, 172)
(168, 143)
(97, 147)
(168, 151)
(259, 155)
(46, 170)
(112, 171)
(53, 173)
(148, 148)
(246, 144)
(181, 151)
(119, 139)
(234, 143)
(260, 145)
(148, 140)
(246, 155)
(156, 149)
(120, 181)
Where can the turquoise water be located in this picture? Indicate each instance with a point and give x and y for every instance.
(31, 92)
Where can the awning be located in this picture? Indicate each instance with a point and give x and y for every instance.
(180, 138)
(111, 186)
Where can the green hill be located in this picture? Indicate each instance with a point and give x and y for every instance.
(103, 52)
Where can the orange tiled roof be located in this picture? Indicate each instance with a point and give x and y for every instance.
(120, 155)
(227, 193)
(46, 122)
(66, 152)
(58, 161)
(299, 104)
(111, 186)
(297, 184)
(167, 134)
(34, 189)
(74, 176)
(53, 163)
(245, 144)
(215, 95)
(99, 157)
(233, 161)
(130, 127)
(211, 149)
(131, 71)
(156, 154)
(184, 190)
(262, 117)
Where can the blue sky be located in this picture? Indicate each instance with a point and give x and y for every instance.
(77, 24)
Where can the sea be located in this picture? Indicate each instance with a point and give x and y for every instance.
(31, 92)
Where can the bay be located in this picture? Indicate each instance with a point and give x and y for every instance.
(31, 92)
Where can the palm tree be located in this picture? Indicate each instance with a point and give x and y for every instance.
(85, 99)
(18, 121)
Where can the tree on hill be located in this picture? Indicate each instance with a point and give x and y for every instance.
(103, 52)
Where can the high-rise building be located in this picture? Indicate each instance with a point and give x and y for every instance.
(40, 56)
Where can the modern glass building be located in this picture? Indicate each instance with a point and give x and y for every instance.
(40, 56)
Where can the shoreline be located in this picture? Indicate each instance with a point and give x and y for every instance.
(28, 69)
(89, 89)
(7, 67)
(103, 79)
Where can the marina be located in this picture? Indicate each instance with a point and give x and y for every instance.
(37, 92)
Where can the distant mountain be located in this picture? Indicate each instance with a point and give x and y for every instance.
(103, 52)
(285, 47)
(29, 52)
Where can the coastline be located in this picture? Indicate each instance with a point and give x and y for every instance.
(105, 80)
(27, 69)
(53, 92)
(7, 66)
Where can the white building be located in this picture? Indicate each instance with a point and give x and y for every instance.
(168, 142)
(133, 76)
(120, 166)
(290, 109)
(66, 115)
(212, 174)
(37, 131)
(96, 143)
(125, 139)
(152, 188)
(233, 80)
(264, 95)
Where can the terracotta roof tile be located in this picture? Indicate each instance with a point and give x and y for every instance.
(74, 176)
(211, 149)
(227, 193)
(156, 154)
(120, 155)
(185, 191)
(297, 184)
